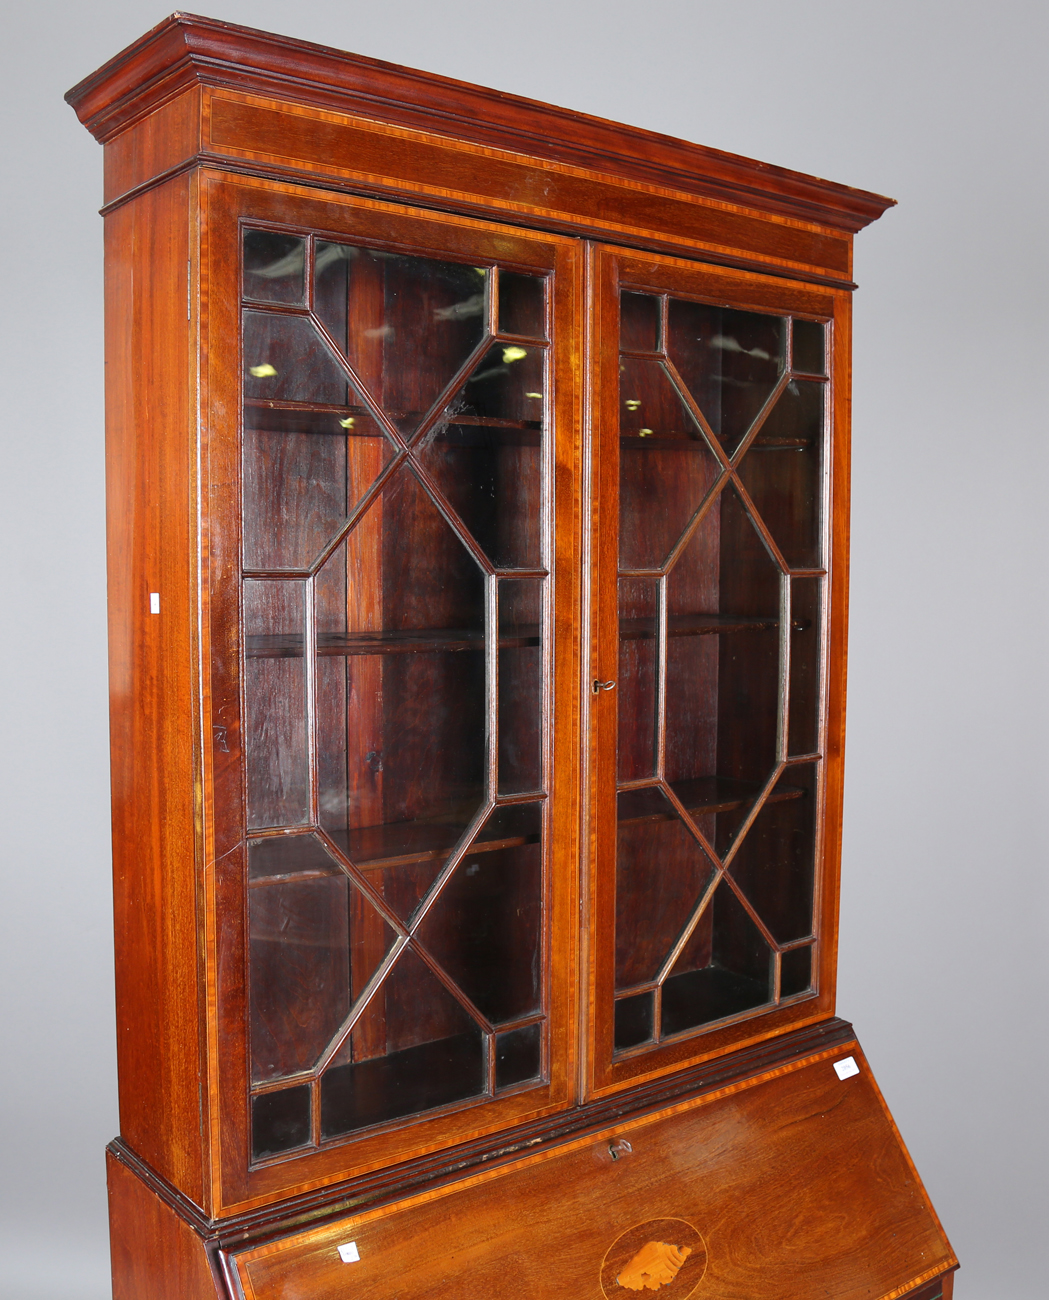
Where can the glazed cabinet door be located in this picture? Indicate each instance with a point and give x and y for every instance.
(392, 399)
(718, 616)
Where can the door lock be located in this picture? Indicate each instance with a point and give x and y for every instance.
(603, 686)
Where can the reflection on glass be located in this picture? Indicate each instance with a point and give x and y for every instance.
(285, 360)
(302, 475)
(275, 704)
(383, 308)
(274, 266)
(729, 360)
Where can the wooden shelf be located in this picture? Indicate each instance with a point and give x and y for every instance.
(644, 629)
(674, 440)
(323, 418)
(378, 848)
(704, 795)
(388, 642)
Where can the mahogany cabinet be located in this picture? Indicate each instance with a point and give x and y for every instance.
(478, 501)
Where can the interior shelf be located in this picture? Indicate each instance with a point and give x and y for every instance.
(644, 629)
(704, 795)
(388, 642)
(678, 440)
(398, 844)
(316, 417)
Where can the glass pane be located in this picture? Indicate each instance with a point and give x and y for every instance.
(518, 1056)
(522, 305)
(401, 725)
(383, 308)
(280, 1121)
(314, 942)
(665, 466)
(303, 473)
(485, 928)
(285, 360)
(662, 872)
(639, 322)
(730, 361)
(274, 266)
(414, 728)
(796, 972)
(775, 863)
(808, 348)
(635, 1020)
(275, 704)
(638, 674)
(486, 455)
(804, 665)
(726, 970)
(783, 472)
(433, 1055)
(520, 685)
(722, 668)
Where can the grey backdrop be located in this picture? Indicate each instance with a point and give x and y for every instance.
(944, 925)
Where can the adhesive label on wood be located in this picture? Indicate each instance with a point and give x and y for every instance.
(664, 1255)
(847, 1068)
(348, 1253)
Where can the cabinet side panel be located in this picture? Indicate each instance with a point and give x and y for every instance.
(153, 691)
(155, 1254)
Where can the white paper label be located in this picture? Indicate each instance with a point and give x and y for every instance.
(349, 1253)
(154, 602)
(846, 1069)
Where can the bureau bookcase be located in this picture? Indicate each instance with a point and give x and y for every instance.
(478, 509)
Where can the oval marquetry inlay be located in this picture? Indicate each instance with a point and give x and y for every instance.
(664, 1255)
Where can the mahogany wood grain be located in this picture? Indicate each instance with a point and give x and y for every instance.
(831, 1203)
(230, 200)
(155, 1252)
(154, 710)
(185, 50)
(801, 1181)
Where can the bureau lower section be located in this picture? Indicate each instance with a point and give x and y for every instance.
(788, 1186)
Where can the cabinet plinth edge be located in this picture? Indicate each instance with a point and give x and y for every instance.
(186, 49)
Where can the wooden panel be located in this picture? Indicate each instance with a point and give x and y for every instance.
(184, 49)
(155, 1254)
(167, 139)
(153, 700)
(269, 132)
(791, 1186)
